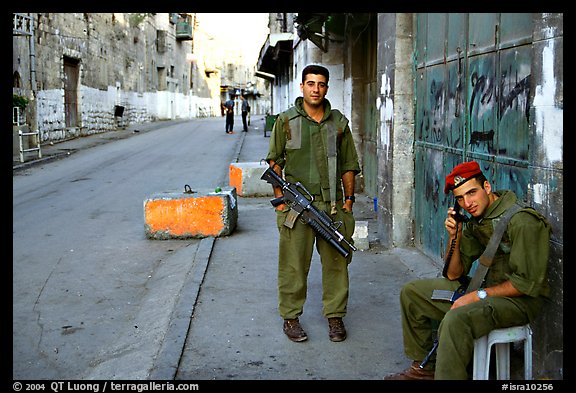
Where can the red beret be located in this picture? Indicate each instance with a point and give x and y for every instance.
(461, 174)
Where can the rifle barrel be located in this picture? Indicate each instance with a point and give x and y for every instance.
(427, 358)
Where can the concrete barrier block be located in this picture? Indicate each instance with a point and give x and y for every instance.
(199, 214)
(245, 177)
(360, 235)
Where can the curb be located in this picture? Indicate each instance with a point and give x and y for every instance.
(168, 359)
(166, 363)
(52, 157)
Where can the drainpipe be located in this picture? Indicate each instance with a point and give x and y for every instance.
(32, 56)
(33, 107)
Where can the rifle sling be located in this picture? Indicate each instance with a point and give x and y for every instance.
(332, 162)
(488, 255)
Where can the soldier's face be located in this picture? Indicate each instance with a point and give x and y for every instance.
(314, 89)
(474, 196)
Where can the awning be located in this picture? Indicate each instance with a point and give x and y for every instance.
(274, 50)
(320, 28)
(265, 75)
(310, 26)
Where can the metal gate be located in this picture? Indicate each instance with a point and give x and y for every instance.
(472, 93)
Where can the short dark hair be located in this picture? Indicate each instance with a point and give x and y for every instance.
(316, 70)
(481, 178)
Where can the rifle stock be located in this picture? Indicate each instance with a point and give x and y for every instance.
(293, 196)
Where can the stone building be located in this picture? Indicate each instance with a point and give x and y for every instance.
(89, 72)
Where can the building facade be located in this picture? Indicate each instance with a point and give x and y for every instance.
(86, 73)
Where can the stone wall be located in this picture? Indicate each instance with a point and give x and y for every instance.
(132, 61)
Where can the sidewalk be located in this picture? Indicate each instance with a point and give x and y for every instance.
(236, 332)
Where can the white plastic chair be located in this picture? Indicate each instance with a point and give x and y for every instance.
(501, 339)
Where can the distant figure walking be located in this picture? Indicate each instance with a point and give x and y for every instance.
(245, 111)
(229, 107)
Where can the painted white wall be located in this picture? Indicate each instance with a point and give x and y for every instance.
(549, 118)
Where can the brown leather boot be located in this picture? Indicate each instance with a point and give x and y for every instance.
(294, 331)
(414, 373)
(336, 329)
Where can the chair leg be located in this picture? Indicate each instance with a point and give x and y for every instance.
(528, 354)
(479, 370)
(502, 361)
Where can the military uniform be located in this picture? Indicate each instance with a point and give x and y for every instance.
(522, 258)
(309, 151)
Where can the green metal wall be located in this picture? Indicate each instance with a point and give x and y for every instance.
(472, 92)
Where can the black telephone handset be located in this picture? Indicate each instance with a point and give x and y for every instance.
(459, 217)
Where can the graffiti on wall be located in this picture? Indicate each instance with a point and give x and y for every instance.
(481, 112)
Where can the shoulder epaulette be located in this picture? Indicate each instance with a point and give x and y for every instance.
(290, 113)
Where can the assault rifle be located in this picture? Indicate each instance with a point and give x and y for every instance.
(301, 207)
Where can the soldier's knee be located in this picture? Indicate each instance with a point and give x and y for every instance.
(409, 289)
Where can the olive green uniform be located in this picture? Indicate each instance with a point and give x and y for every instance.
(522, 258)
(301, 146)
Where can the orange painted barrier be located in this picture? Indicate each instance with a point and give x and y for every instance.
(235, 175)
(190, 215)
(246, 178)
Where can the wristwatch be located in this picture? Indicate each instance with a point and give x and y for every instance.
(482, 294)
(351, 198)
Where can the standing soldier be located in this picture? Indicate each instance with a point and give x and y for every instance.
(313, 145)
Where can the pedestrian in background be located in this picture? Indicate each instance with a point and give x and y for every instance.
(513, 290)
(229, 107)
(245, 111)
(312, 144)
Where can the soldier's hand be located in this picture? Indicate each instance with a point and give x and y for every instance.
(452, 226)
(348, 205)
(464, 300)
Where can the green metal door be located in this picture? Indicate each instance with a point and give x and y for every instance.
(472, 93)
